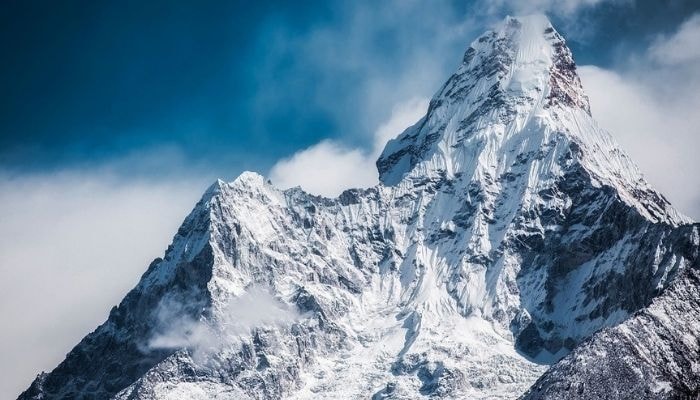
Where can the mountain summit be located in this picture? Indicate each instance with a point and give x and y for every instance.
(508, 230)
(511, 72)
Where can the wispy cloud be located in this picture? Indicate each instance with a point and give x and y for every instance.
(649, 103)
(255, 308)
(328, 168)
(425, 41)
(387, 59)
(367, 58)
(564, 8)
(680, 48)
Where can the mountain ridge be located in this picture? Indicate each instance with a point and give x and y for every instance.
(507, 229)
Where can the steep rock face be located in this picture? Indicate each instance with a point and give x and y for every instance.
(653, 355)
(117, 352)
(508, 228)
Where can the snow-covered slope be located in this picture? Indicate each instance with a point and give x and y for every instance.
(507, 228)
(653, 355)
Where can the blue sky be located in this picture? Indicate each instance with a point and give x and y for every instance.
(116, 116)
(236, 85)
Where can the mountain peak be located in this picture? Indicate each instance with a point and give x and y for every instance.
(530, 27)
(508, 229)
(519, 70)
(523, 31)
(526, 57)
(514, 101)
(536, 20)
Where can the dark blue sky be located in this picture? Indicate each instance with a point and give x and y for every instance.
(235, 85)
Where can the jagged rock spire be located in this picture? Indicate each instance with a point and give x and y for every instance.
(521, 65)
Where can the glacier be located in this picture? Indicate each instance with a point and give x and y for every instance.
(509, 240)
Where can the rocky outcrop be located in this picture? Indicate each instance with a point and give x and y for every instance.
(507, 229)
(655, 354)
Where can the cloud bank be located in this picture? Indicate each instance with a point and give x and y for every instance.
(71, 245)
(328, 168)
(650, 104)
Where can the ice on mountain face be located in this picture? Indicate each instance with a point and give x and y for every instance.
(507, 229)
(506, 75)
(653, 355)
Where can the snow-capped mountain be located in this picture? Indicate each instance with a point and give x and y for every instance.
(507, 229)
(653, 355)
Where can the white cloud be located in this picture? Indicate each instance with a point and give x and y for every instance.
(328, 168)
(425, 41)
(254, 308)
(571, 15)
(402, 116)
(560, 7)
(369, 57)
(681, 47)
(650, 105)
(71, 245)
